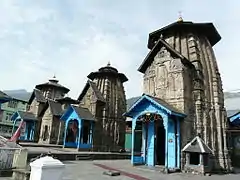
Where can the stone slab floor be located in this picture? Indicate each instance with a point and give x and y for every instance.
(93, 170)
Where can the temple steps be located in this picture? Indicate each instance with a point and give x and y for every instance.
(83, 157)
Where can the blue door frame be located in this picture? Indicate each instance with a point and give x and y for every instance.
(29, 128)
(171, 121)
(150, 156)
(172, 144)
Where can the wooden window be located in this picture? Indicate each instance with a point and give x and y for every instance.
(12, 104)
(8, 116)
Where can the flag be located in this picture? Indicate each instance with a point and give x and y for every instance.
(17, 134)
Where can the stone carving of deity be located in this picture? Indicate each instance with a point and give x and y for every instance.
(164, 52)
(162, 77)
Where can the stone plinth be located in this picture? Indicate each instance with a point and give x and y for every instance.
(46, 168)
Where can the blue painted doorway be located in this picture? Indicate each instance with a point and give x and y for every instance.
(171, 144)
(150, 144)
(160, 145)
(156, 139)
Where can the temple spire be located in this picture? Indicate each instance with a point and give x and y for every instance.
(180, 19)
(54, 79)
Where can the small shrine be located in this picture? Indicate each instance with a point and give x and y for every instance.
(233, 134)
(78, 127)
(28, 128)
(197, 157)
(160, 124)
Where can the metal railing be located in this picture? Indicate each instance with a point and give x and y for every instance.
(7, 156)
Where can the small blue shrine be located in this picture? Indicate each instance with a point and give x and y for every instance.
(79, 124)
(234, 118)
(160, 123)
(29, 124)
(233, 134)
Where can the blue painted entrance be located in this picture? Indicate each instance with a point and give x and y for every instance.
(150, 144)
(79, 124)
(171, 144)
(151, 111)
(28, 129)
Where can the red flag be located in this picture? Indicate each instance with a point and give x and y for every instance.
(17, 134)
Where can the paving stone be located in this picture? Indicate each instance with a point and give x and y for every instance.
(86, 170)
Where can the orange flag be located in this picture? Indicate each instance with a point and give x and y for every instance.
(17, 134)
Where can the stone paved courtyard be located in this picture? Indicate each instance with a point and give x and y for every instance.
(88, 170)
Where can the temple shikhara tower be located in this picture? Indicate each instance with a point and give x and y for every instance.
(182, 84)
(93, 122)
(104, 96)
(183, 71)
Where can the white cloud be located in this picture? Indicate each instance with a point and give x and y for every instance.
(72, 38)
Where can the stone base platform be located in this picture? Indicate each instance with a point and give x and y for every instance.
(70, 154)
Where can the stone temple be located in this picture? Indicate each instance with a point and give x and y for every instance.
(92, 122)
(181, 115)
(182, 84)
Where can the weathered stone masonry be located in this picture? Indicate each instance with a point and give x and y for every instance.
(181, 69)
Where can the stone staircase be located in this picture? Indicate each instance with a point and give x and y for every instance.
(83, 157)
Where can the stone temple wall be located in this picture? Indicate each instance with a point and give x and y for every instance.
(112, 121)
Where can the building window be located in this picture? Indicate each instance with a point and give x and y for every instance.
(194, 158)
(12, 104)
(8, 116)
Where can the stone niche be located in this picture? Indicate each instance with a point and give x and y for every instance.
(197, 157)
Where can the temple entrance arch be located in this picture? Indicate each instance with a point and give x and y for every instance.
(160, 142)
(160, 132)
(154, 135)
(72, 133)
(79, 124)
(28, 127)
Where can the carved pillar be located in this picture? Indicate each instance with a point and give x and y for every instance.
(80, 124)
(165, 123)
(198, 84)
(133, 139)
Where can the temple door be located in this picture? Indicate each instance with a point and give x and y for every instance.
(171, 144)
(151, 144)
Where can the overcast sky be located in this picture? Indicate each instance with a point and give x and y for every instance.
(71, 38)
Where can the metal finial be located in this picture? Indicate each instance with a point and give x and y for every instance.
(180, 19)
(54, 79)
(108, 64)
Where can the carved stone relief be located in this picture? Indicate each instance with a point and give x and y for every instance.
(162, 81)
(164, 52)
(175, 65)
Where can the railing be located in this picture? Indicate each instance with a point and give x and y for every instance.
(7, 156)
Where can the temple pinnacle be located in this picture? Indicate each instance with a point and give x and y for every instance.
(180, 19)
(108, 64)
